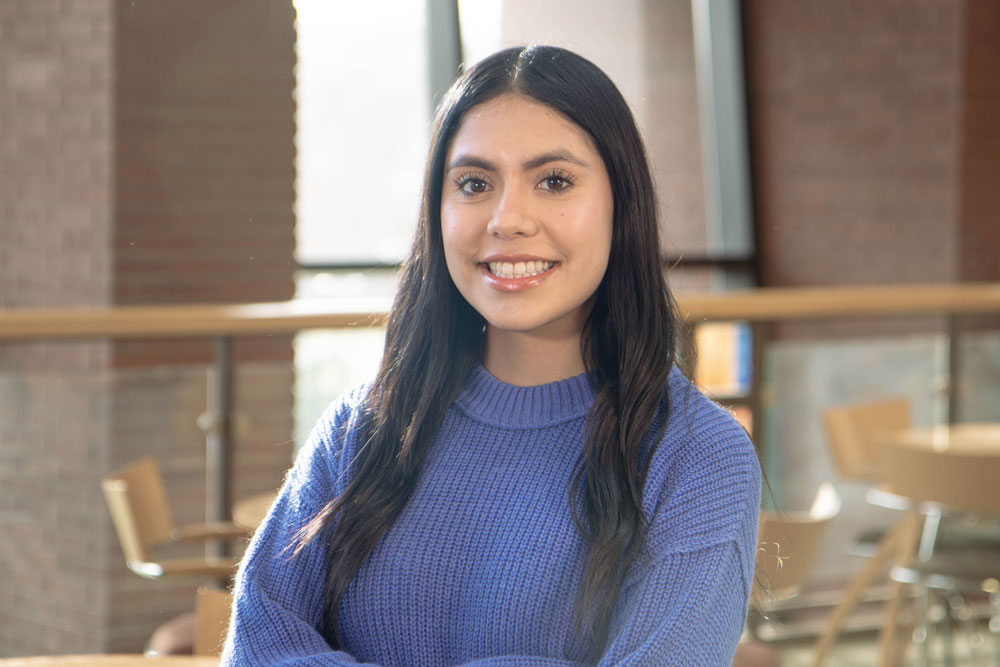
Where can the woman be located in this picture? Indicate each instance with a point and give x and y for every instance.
(529, 480)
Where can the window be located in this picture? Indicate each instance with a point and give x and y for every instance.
(362, 126)
(363, 117)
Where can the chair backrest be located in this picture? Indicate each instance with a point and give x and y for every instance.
(212, 607)
(787, 545)
(138, 505)
(959, 480)
(853, 432)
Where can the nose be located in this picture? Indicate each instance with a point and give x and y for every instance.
(512, 216)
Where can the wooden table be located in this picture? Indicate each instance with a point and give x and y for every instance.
(250, 512)
(109, 660)
(970, 438)
(979, 439)
(956, 466)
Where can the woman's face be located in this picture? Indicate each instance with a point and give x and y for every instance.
(526, 216)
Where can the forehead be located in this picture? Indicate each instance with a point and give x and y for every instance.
(513, 123)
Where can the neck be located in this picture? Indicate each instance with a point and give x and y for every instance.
(527, 359)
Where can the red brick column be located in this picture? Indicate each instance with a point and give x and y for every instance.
(979, 210)
(146, 156)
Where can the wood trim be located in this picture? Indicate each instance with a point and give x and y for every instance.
(821, 303)
(757, 305)
(198, 320)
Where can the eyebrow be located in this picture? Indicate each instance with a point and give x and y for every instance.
(557, 155)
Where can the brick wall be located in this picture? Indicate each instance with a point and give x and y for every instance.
(146, 156)
(52, 556)
(55, 152)
(874, 145)
(55, 225)
(203, 160)
(855, 110)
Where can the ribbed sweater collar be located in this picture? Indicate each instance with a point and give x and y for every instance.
(488, 400)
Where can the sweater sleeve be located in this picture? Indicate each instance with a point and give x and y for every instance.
(278, 597)
(685, 601)
(688, 610)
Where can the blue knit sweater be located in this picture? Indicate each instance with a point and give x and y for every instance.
(482, 566)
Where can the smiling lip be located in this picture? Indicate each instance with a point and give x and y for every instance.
(510, 284)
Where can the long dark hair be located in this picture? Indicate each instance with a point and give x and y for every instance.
(434, 339)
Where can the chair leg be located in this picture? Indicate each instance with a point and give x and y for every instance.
(904, 547)
(862, 581)
(888, 642)
(887, 549)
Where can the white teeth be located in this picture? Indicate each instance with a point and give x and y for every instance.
(519, 269)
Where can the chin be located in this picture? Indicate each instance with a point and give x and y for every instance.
(552, 323)
(514, 324)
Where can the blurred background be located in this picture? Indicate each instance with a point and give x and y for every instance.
(179, 152)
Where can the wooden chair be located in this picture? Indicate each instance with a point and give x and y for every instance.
(755, 654)
(138, 505)
(211, 611)
(787, 545)
(853, 431)
(198, 632)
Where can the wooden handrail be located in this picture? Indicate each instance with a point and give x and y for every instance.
(771, 304)
(757, 305)
(194, 320)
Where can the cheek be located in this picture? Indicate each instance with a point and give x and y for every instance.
(591, 236)
(448, 227)
(600, 244)
(451, 239)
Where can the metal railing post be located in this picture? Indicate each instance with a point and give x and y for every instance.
(218, 457)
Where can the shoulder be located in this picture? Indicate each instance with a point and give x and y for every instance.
(340, 417)
(703, 484)
(322, 463)
(703, 436)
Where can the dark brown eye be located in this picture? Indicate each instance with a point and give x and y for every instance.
(556, 181)
(471, 185)
(475, 185)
